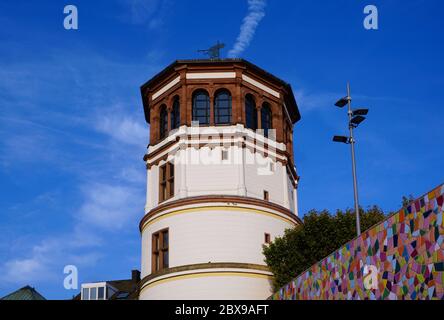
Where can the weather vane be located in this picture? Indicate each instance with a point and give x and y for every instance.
(214, 51)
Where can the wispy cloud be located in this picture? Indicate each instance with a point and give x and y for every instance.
(256, 11)
(110, 206)
(315, 101)
(96, 141)
(147, 12)
(123, 127)
(45, 262)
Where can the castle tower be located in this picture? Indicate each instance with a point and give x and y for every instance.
(221, 180)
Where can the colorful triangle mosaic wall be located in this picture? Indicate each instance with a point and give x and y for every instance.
(402, 258)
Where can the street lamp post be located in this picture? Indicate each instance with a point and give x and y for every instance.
(355, 117)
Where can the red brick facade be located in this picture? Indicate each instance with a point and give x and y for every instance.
(283, 108)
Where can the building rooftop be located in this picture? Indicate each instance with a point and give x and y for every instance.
(25, 293)
(290, 99)
(212, 62)
(127, 289)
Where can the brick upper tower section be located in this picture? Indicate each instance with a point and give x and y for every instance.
(179, 82)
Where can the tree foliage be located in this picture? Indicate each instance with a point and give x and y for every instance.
(406, 201)
(320, 235)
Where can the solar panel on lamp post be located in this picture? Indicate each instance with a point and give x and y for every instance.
(356, 120)
(360, 112)
(342, 102)
(355, 117)
(340, 139)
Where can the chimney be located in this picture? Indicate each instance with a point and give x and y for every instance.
(135, 275)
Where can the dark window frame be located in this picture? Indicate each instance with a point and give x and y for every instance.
(160, 250)
(224, 154)
(163, 122)
(267, 238)
(266, 118)
(250, 112)
(166, 181)
(201, 97)
(223, 107)
(175, 114)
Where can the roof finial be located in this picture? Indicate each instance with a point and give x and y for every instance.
(214, 51)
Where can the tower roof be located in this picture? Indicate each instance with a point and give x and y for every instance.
(289, 98)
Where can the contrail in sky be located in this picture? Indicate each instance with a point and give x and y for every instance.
(256, 11)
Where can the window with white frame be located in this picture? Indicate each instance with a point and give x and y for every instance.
(96, 291)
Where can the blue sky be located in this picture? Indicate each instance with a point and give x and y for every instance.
(72, 131)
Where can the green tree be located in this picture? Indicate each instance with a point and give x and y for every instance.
(406, 201)
(320, 234)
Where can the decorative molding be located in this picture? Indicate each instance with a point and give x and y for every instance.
(261, 86)
(202, 266)
(219, 198)
(211, 75)
(165, 88)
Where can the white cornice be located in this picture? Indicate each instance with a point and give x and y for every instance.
(211, 75)
(260, 86)
(165, 88)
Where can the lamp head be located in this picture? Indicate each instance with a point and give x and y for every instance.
(342, 102)
(341, 139)
(356, 120)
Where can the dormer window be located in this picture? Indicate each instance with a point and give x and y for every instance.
(97, 291)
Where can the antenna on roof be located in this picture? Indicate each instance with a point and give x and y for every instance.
(214, 51)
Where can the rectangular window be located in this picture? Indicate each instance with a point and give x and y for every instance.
(93, 294)
(85, 295)
(224, 155)
(170, 185)
(201, 108)
(155, 255)
(267, 238)
(101, 293)
(266, 195)
(160, 250)
(166, 182)
(271, 166)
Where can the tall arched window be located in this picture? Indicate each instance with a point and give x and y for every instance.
(175, 114)
(163, 121)
(266, 118)
(250, 112)
(201, 107)
(222, 107)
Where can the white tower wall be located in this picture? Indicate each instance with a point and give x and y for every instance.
(226, 190)
(217, 218)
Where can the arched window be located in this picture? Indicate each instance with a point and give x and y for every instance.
(222, 107)
(250, 112)
(201, 107)
(163, 121)
(175, 114)
(266, 118)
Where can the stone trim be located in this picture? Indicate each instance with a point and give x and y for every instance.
(217, 198)
(201, 266)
